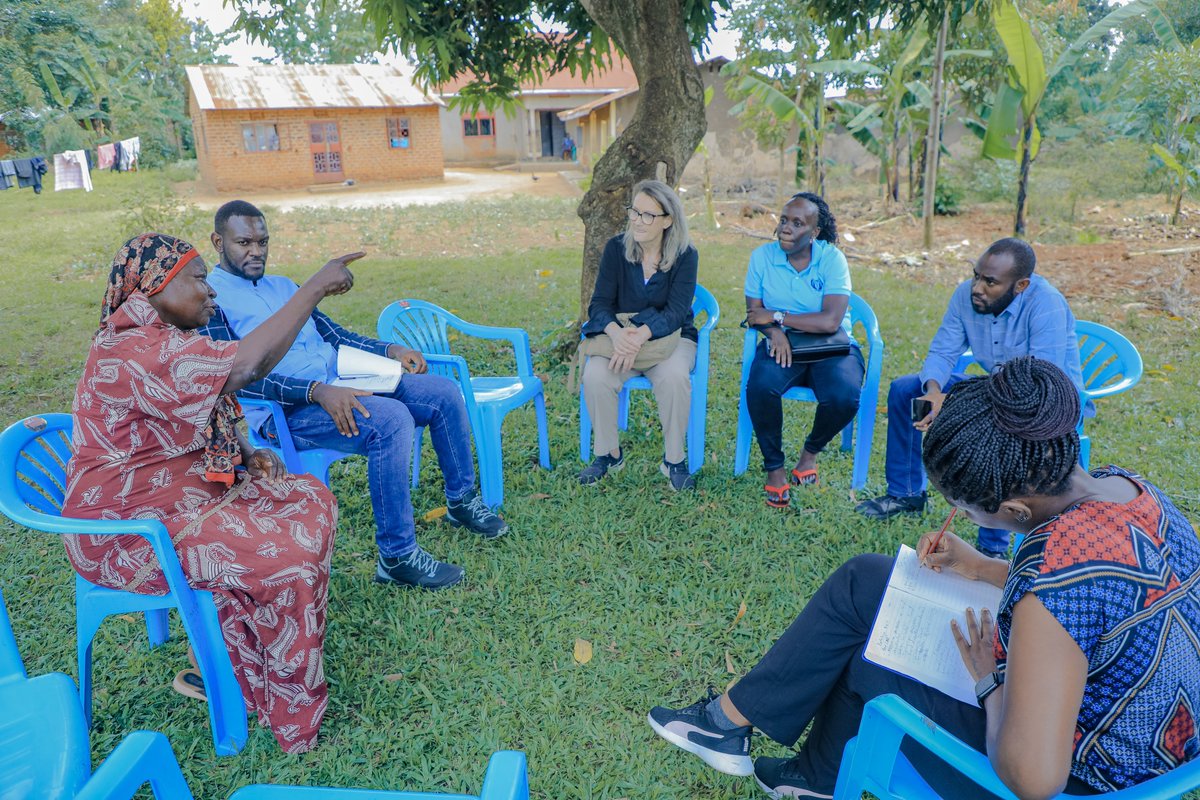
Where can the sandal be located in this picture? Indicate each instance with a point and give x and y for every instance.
(777, 496)
(189, 684)
(807, 477)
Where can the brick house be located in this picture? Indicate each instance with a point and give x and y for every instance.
(270, 126)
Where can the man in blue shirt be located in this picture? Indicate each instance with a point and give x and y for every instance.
(381, 427)
(1002, 312)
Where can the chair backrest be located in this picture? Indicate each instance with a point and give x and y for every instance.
(417, 324)
(1109, 362)
(33, 467)
(861, 313)
(705, 303)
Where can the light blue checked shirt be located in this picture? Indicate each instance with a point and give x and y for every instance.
(1038, 323)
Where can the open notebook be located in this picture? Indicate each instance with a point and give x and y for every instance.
(358, 369)
(912, 634)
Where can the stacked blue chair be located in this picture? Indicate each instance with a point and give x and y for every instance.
(33, 457)
(45, 753)
(424, 326)
(703, 303)
(860, 314)
(872, 761)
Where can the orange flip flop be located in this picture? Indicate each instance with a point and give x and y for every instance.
(807, 477)
(777, 496)
(189, 684)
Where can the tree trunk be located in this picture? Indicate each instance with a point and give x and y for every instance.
(934, 134)
(818, 179)
(665, 130)
(894, 174)
(1023, 179)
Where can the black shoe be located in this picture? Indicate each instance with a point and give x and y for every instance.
(470, 512)
(418, 569)
(678, 475)
(601, 466)
(780, 777)
(886, 506)
(690, 728)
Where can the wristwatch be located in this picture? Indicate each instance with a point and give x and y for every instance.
(988, 684)
(778, 317)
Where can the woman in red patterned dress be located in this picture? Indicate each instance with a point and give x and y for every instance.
(155, 437)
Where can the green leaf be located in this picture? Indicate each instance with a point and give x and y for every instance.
(1114, 19)
(968, 53)
(1163, 28)
(864, 116)
(845, 67)
(1002, 124)
(1028, 67)
(52, 86)
(1168, 159)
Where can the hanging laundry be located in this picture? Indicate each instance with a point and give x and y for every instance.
(71, 171)
(106, 155)
(118, 154)
(8, 174)
(130, 150)
(30, 172)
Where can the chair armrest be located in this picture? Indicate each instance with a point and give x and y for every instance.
(517, 337)
(749, 342)
(142, 757)
(455, 368)
(507, 777)
(291, 456)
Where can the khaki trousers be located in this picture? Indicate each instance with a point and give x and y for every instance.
(672, 382)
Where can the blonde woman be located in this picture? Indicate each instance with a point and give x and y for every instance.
(647, 275)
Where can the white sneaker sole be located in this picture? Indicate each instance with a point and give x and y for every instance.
(721, 762)
(776, 795)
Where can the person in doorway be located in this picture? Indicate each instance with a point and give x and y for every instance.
(1003, 311)
(568, 148)
(381, 427)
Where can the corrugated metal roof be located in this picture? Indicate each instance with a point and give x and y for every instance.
(599, 102)
(272, 86)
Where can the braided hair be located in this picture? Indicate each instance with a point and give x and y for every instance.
(1010, 434)
(825, 219)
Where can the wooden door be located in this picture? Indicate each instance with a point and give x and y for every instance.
(326, 147)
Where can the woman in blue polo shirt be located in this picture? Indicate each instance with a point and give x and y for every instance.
(800, 282)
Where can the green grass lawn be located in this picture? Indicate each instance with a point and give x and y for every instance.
(423, 687)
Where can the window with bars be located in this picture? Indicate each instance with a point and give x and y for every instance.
(479, 126)
(397, 131)
(260, 137)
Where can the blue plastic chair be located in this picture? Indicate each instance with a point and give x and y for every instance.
(872, 761)
(860, 314)
(45, 753)
(315, 461)
(1109, 363)
(33, 456)
(420, 325)
(704, 303)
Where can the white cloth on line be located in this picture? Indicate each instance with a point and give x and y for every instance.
(131, 149)
(71, 171)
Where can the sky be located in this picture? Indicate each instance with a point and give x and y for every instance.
(723, 42)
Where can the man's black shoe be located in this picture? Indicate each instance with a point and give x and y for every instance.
(470, 512)
(781, 777)
(886, 506)
(601, 465)
(678, 475)
(418, 569)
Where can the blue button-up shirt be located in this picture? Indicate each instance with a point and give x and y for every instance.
(773, 280)
(1038, 322)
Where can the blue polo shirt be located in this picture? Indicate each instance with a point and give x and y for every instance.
(248, 304)
(771, 279)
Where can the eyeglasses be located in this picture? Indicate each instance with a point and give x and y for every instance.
(646, 217)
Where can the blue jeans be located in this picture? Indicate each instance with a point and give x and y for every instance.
(905, 472)
(386, 439)
(836, 382)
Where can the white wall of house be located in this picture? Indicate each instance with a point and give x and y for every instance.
(517, 136)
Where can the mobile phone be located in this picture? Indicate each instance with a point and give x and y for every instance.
(921, 409)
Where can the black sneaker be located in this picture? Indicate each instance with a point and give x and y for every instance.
(601, 466)
(691, 729)
(470, 512)
(418, 569)
(888, 506)
(780, 777)
(678, 475)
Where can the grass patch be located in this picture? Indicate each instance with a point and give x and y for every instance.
(424, 687)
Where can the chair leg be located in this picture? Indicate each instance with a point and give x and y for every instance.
(862, 448)
(623, 409)
(585, 430)
(745, 432)
(226, 706)
(695, 432)
(539, 405)
(418, 440)
(491, 461)
(157, 624)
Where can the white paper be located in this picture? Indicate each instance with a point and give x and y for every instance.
(912, 634)
(358, 369)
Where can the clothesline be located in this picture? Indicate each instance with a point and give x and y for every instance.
(72, 168)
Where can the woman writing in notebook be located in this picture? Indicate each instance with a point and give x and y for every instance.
(1086, 677)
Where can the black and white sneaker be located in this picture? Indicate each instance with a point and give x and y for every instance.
(601, 466)
(780, 777)
(418, 569)
(678, 475)
(470, 512)
(691, 729)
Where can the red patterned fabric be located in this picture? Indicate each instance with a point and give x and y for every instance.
(141, 411)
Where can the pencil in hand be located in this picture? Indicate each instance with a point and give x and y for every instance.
(933, 546)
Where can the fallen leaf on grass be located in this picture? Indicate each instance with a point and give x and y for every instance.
(126, 617)
(583, 651)
(395, 676)
(729, 664)
(545, 273)
(436, 513)
(741, 612)
(539, 496)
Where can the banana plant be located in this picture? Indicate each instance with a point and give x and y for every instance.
(1027, 78)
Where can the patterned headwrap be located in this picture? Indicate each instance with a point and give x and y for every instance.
(146, 264)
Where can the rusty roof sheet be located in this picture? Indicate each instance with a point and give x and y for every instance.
(277, 86)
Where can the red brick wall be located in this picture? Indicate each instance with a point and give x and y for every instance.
(366, 152)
